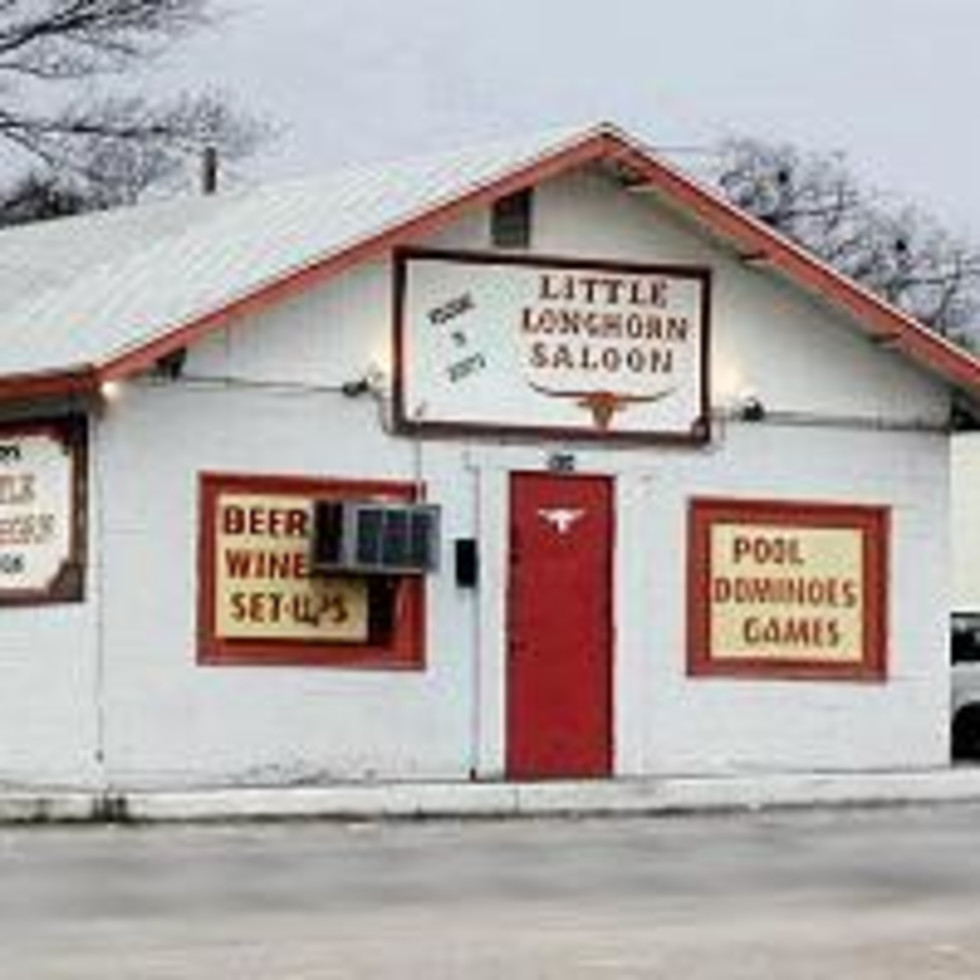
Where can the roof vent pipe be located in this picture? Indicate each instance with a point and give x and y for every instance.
(209, 170)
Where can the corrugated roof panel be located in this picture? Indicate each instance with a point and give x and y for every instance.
(49, 254)
(85, 290)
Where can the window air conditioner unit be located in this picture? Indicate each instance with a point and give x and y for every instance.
(379, 538)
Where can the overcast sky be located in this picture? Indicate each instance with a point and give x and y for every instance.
(893, 83)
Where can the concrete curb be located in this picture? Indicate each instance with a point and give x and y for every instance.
(494, 800)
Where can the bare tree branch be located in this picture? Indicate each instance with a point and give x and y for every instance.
(101, 148)
(900, 253)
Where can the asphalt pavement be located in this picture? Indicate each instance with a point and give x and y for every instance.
(883, 893)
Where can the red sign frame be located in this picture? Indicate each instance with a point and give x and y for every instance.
(873, 524)
(68, 584)
(700, 427)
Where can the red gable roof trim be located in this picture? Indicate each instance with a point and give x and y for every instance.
(886, 322)
(747, 234)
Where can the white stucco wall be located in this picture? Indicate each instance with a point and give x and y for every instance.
(262, 397)
(172, 719)
(670, 723)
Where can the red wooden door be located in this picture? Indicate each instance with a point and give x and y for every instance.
(559, 674)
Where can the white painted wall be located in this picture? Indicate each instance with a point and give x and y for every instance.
(262, 397)
(668, 723)
(172, 720)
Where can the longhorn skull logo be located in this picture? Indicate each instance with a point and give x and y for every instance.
(562, 518)
(603, 405)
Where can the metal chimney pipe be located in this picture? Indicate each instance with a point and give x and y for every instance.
(209, 170)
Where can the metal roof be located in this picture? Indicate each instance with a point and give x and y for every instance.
(79, 292)
(99, 296)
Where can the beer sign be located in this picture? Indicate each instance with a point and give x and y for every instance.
(787, 589)
(264, 588)
(589, 349)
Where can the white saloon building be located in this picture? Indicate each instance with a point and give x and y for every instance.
(536, 460)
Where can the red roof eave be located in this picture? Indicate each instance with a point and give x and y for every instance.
(883, 321)
(53, 384)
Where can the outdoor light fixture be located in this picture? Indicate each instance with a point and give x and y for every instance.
(374, 381)
(356, 387)
(110, 390)
(752, 410)
(743, 403)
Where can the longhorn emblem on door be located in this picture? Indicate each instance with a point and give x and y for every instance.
(562, 519)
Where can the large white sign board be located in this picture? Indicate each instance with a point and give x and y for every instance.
(551, 346)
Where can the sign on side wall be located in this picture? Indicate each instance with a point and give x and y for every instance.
(551, 347)
(42, 510)
(787, 589)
